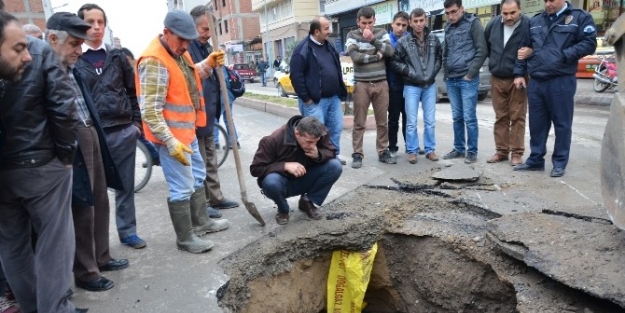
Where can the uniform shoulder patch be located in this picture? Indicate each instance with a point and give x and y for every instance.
(589, 29)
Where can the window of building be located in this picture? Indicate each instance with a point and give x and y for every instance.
(216, 6)
(220, 32)
(226, 25)
(223, 3)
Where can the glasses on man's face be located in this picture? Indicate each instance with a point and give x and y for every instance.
(452, 12)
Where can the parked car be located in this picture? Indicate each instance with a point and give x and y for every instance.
(281, 71)
(244, 70)
(587, 64)
(285, 88)
(441, 86)
(282, 78)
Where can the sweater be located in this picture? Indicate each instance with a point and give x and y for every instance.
(368, 66)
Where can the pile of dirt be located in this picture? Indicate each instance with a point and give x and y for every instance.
(434, 255)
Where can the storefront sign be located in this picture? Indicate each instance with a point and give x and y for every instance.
(384, 12)
(338, 6)
(437, 5)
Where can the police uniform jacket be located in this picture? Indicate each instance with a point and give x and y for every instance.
(558, 44)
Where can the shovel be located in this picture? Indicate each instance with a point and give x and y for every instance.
(251, 207)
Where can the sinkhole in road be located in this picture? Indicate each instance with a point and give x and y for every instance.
(434, 255)
(410, 274)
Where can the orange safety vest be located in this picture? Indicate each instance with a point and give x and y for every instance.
(180, 115)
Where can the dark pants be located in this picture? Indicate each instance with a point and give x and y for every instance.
(3, 279)
(551, 101)
(150, 146)
(212, 187)
(396, 106)
(91, 224)
(316, 184)
(122, 143)
(38, 198)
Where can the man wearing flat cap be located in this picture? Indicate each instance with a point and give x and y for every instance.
(94, 169)
(170, 95)
(39, 119)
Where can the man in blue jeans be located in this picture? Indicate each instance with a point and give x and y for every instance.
(418, 59)
(297, 159)
(463, 55)
(262, 70)
(317, 78)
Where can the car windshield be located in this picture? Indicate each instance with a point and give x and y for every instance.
(241, 66)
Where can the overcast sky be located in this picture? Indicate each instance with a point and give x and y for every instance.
(135, 22)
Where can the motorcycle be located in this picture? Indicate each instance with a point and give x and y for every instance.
(605, 75)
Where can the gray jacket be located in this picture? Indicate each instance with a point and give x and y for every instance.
(408, 63)
(464, 49)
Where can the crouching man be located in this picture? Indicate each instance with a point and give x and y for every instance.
(297, 159)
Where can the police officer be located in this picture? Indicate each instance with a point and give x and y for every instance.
(557, 38)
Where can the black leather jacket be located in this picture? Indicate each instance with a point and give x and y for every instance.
(408, 63)
(38, 113)
(114, 90)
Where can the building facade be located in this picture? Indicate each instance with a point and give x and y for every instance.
(237, 29)
(30, 11)
(283, 23)
(237, 26)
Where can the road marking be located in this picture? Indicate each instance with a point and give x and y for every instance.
(579, 193)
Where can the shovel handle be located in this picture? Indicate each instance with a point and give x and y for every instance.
(226, 100)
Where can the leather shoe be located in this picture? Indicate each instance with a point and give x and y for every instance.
(516, 160)
(309, 208)
(497, 158)
(282, 218)
(525, 167)
(81, 310)
(557, 172)
(226, 204)
(114, 265)
(100, 284)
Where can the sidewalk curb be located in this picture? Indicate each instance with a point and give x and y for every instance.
(598, 100)
(280, 110)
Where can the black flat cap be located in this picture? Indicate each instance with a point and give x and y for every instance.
(70, 23)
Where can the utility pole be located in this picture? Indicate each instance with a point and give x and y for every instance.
(268, 46)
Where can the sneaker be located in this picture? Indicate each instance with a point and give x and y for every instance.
(8, 306)
(387, 157)
(357, 160)
(412, 158)
(134, 242)
(341, 159)
(471, 158)
(454, 154)
(212, 212)
(217, 146)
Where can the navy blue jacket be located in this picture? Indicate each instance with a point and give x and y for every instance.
(82, 191)
(305, 76)
(210, 89)
(558, 48)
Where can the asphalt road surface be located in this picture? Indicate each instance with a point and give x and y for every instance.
(162, 279)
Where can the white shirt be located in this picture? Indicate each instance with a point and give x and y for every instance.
(508, 30)
(86, 47)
